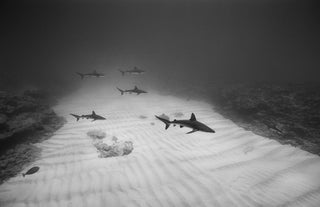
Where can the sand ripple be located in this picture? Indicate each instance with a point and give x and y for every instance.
(233, 167)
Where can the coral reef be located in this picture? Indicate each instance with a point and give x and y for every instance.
(289, 113)
(24, 119)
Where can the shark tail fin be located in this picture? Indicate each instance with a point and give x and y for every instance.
(81, 75)
(165, 121)
(75, 116)
(122, 72)
(121, 91)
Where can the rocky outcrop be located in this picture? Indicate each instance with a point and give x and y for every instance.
(109, 146)
(116, 149)
(24, 119)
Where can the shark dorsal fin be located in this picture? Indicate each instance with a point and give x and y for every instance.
(93, 113)
(193, 117)
(135, 87)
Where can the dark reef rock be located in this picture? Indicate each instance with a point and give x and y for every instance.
(24, 120)
(289, 113)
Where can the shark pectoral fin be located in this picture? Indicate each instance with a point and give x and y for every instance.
(181, 126)
(195, 130)
(165, 121)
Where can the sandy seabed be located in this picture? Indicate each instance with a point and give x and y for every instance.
(232, 167)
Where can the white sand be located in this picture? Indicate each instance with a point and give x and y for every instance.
(232, 167)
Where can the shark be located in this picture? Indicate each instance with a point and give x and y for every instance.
(190, 123)
(92, 116)
(92, 74)
(135, 90)
(134, 71)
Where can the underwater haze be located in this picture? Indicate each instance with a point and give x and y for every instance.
(45, 43)
(160, 103)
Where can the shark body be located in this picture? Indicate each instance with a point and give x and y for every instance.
(135, 90)
(134, 71)
(92, 116)
(190, 123)
(92, 74)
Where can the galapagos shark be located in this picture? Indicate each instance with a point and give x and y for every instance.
(92, 74)
(190, 123)
(92, 116)
(134, 71)
(135, 90)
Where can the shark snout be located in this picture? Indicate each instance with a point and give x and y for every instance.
(101, 118)
(209, 130)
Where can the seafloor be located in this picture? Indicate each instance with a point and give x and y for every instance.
(232, 167)
(25, 119)
(287, 112)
